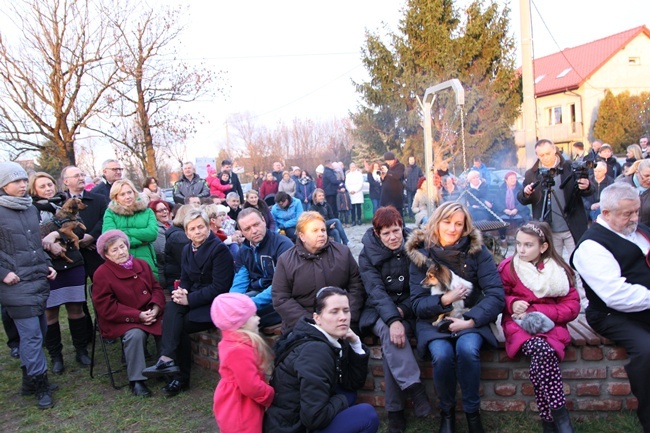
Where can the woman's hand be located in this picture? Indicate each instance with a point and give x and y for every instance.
(454, 295)
(397, 334)
(179, 296)
(52, 274)
(11, 279)
(519, 307)
(350, 336)
(148, 317)
(460, 324)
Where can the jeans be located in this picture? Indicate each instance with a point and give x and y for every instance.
(338, 233)
(457, 360)
(410, 195)
(375, 205)
(361, 418)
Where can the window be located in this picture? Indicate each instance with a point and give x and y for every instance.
(554, 115)
(563, 73)
(540, 78)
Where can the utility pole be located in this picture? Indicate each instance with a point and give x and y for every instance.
(529, 114)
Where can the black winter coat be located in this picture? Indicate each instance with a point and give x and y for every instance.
(392, 190)
(469, 259)
(175, 241)
(574, 211)
(385, 276)
(306, 377)
(374, 187)
(205, 274)
(324, 209)
(93, 219)
(330, 181)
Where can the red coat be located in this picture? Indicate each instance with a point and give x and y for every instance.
(268, 188)
(120, 294)
(216, 187)
(242, 393)
(560, 310)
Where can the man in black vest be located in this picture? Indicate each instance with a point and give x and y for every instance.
(612, 259)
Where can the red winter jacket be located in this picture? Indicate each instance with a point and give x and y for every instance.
(242, 393)
(560, 310)
(216, 187)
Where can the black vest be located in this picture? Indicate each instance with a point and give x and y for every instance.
(634, 265)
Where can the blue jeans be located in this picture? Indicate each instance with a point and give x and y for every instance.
(32, 332)
(375, 205)
(361, 418)
(338, 233)
(457, 361)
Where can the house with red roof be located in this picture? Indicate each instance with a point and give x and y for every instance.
(570, 85)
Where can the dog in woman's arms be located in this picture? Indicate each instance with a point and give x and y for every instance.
(65, 221)
(440, 280)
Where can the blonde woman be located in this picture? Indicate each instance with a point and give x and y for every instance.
(129, 213)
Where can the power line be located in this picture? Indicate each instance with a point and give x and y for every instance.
(267, 56)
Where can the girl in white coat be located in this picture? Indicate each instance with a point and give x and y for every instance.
(354, 185)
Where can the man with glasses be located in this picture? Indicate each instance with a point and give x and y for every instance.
(111, 172)
(612, 260)
(256, 261)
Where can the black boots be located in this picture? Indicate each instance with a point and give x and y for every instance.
(447, 421)
(79, 336)
(418, 395)
(28, 385)
(396, 422)
(474, 424)
(548, 427)
(42, 391)
(561, 420)
(54, 347)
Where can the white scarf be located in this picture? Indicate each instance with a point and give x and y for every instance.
(550, 282)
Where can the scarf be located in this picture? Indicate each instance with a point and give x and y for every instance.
(15, 203)
(510, 198)
(635, 179)
(547, 281)
(128, 264)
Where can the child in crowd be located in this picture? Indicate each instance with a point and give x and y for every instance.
(219, 183)
(242, 393)
(540, 300)
(343, 205)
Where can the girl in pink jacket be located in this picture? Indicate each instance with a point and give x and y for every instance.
(219, 183)
(242, 393)
(540, 301)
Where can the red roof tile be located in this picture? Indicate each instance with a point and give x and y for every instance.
(581, 62)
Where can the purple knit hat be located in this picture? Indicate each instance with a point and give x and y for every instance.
(230, 311)
(101, 241)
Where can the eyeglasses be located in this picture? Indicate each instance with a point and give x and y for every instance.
(162, 210)
(76, 176)
(115, 169)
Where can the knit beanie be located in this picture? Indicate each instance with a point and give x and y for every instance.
(101, 241)
(11, 172)
(230, 311)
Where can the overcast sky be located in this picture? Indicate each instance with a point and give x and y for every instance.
(288, 59)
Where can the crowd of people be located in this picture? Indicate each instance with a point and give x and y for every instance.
(278, 256)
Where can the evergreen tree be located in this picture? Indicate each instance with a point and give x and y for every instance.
(51, 160)
(622, 119)
(434, 43)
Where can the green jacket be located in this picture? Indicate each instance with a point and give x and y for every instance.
(139, 224)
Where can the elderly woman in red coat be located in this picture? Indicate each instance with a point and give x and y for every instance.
(129, 303)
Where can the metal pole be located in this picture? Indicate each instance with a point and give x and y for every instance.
(529, 116)
(427, 100)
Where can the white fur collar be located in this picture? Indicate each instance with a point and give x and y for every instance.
(550, 282)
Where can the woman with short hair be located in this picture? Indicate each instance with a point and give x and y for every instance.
(129, 213)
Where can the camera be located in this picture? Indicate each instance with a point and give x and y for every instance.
(581, 168)
(547, 176)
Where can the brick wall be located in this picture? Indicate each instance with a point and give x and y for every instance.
(593, 373)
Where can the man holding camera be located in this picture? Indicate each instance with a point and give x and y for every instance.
(552, 176)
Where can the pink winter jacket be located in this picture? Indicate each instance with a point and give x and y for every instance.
(560, 310)
(216, 187)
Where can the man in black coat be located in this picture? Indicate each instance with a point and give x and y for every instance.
(111, 171)
(392, 190)
(92, 216)
(226, 166)
(330, 185)
(566, 216)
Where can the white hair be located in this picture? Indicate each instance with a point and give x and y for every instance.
(615, 193)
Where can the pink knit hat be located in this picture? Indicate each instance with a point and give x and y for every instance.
(101, 241)
(230, 311)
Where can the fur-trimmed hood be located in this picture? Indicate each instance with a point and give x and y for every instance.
(416, 242)
(138, 206)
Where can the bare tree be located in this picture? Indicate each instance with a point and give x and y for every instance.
(54, 74)
(147, 121)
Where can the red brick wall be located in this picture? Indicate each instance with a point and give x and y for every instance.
(594, 377)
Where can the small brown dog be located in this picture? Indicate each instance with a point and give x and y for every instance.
(440, 280)
(65, 221)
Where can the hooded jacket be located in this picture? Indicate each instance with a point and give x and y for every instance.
(469, 259)
(139, 224)
(299, 275)
(308, 370)
(385, 276)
